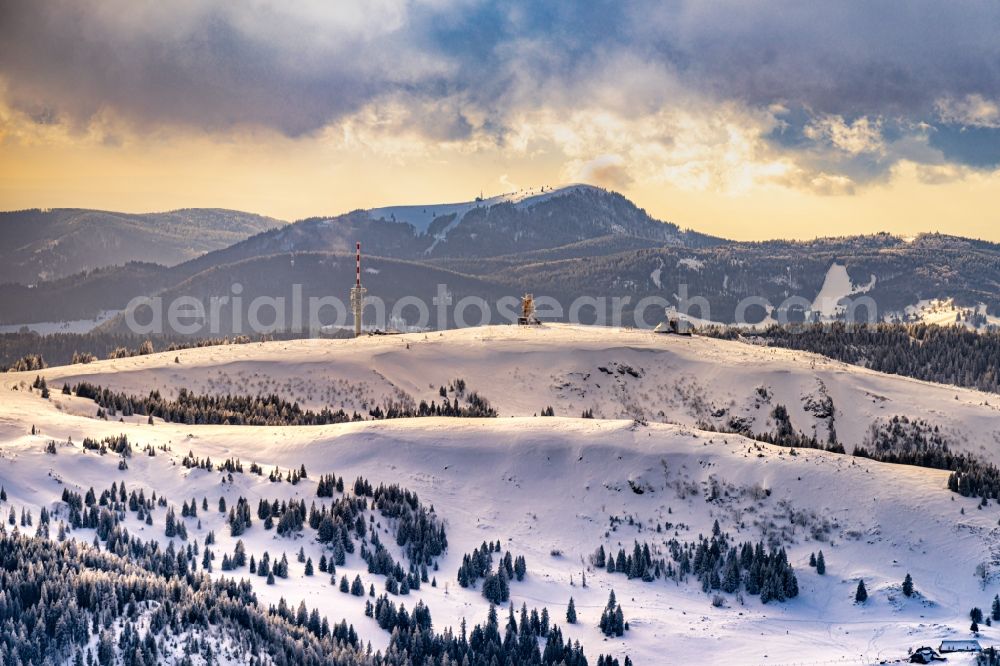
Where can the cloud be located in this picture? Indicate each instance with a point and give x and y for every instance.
(837, 91)
(818, 182)
(607, 171)
(969, 111)
(722, 149)
(213, 65)
(937, 174)
(863, 135)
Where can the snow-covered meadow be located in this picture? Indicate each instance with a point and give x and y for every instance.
(555, 488)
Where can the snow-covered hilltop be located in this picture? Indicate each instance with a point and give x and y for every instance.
(554, 489)
(421, 216)
(615, 373)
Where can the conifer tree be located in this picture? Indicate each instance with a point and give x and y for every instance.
(908, 585)
(861, 595)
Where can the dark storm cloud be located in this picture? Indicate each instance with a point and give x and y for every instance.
(208, 67)
(836, 57)
(464, 66)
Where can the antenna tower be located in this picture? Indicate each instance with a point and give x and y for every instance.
(358, 295)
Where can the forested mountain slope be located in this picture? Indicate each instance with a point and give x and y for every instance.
(38, 245)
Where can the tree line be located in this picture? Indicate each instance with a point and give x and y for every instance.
(943, 354)
(56, 598)
(26, 348)
(195, 409)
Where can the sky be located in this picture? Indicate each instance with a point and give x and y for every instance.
(748, 119)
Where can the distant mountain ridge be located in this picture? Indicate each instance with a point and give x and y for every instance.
(565, 243)
(38, 245)
(485, 228)
(527, 221)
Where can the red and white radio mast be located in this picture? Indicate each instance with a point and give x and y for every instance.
(358, 295)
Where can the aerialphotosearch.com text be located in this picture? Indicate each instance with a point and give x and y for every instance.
(233, 313)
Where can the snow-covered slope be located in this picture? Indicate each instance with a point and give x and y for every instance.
(421, 216)
(553, 489)
(617, 373)
(837, 286)
(548, 488)
(946, 312)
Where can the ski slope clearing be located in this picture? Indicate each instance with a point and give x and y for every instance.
(837, 286)
(617, 373)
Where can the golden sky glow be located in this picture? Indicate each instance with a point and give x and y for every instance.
(295, 178)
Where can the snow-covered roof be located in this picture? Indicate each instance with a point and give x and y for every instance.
(960, 646)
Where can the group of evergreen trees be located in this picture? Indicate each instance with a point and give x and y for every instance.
(71, 592)
(476, 407)
(239, 517)
(265, 569)
(898, 440)
(178, 590)
(56, 598)
(518, 643)
(785, 435)
(40, 385)
(818, 562)
(116, 444)
(944, 354)
(716, 563)
(638, 564)
(174, 528)
(990, 656)
(612, 661)
(721, 566)
(26, 363)
(479, 564)
(398, 581)
(419, 531)
(205, 409)
(904, 441)
(270, 409)
(613, 618)
(104, 512)
(328, 483)
(391, 618)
